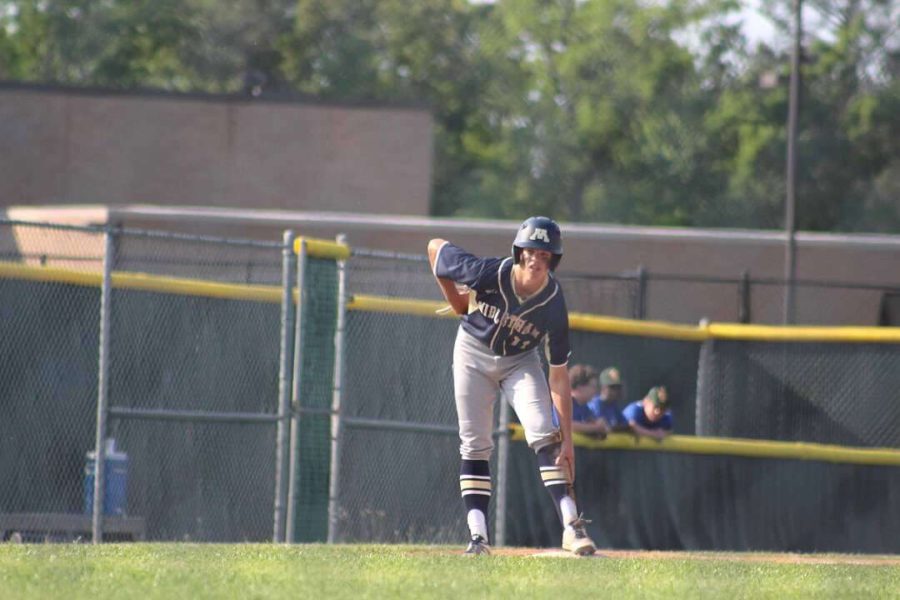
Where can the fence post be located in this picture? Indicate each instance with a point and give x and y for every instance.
(284, 386)
(334, 488)
(704, 408)
(502, 475)
(744, 297)
(291, 519)
(102, 391)
(640, 301)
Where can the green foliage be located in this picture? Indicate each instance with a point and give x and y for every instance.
(186, 45)
(116, 44)
(588, 110)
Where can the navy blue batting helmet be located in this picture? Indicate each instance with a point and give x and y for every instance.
(541, 233)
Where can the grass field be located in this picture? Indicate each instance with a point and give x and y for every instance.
(370, 571)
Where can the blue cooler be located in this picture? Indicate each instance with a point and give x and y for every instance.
(115, 495)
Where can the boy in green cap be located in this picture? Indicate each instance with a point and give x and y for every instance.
(651, 416)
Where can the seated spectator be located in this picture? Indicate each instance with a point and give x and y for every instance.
(583, 381)
(650, 416)
(605, 406)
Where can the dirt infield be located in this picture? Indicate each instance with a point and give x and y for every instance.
(760, 557)
(763, 557)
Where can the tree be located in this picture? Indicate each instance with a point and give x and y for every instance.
(605, 125)
(116, 44)
(188, 45)
(588, 110)
(847, 123)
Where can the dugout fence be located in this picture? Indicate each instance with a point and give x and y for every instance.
(301, 390)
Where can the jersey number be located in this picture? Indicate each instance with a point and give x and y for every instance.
(518, 342)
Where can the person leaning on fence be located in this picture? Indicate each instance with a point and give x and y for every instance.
(520, 311)
(584, 386)
(605, 405)
(651, 416)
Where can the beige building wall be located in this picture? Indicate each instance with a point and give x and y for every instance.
(64, 146)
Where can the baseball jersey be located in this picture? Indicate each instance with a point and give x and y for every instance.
(502, 322)
(608, 411)
(635, 412)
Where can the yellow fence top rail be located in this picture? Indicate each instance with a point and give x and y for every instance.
(429, 308)
(318, 248)
(686, 444)
(793, 333)
(656, 329)
(145, 282)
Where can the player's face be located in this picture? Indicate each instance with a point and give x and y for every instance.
(535, 261)
(583, 393)
(611, 393)
(653, 412)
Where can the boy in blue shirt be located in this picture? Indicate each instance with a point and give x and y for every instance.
(650, 416)
(605, 406)
(583, 383)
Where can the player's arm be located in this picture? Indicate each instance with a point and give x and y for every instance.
(561, 394)
(604, 426)
(458, 301)
(597, 424)
(590, 427)
(654, 433)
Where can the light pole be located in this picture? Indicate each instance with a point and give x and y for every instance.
(790, 253)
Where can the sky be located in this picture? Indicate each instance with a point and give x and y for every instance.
(756, 27)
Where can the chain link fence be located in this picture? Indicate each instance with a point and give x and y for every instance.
(399, 447)
(193, 383)
(399, 451)
(833, 393)
(190, 381)
(399, 459)
(644, 294)
(398, 467)
(239, 419)
(48, 353)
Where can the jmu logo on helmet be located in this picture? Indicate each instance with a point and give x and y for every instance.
(539, 234)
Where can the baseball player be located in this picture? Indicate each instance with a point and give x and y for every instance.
(518, 308)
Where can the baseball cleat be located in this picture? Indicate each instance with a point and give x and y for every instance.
(576, 540)
(478, 545)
